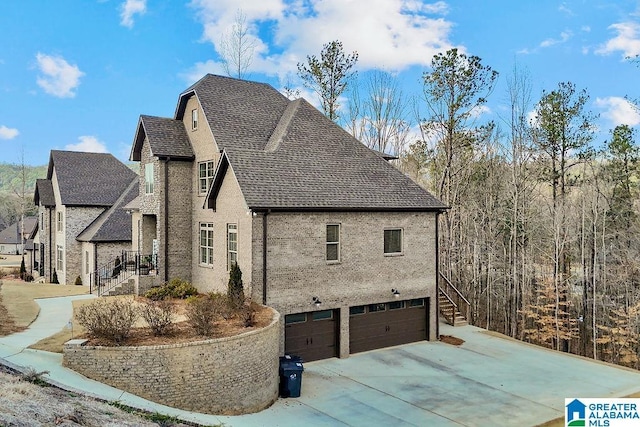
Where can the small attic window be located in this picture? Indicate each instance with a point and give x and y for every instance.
(194, 119)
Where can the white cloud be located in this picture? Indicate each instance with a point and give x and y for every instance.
(564, 37)
(58, 78)
(480, 110)
(627, 41)
(130, 8)
(390, 34)
(88, 144)
(199, 69)
(618, 110)
(8, 133)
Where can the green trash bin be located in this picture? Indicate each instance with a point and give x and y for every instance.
(290, 376)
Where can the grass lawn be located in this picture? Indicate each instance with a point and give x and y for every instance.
(17, 306)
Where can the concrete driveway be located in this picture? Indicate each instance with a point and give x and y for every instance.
(487, 381)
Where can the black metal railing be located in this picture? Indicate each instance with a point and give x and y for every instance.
(115, 272)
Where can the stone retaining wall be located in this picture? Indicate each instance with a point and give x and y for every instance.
(234, 375)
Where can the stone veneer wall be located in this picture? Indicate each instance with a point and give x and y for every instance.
(234, 375)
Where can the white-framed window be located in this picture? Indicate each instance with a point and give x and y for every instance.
(60, 220)
(194, 119)
(333, 243)
(86, 262)
(205, 176)
(148, 178)
(206, 243)
(232, 245)
(42, 225)
(59, 258)
(393, 241)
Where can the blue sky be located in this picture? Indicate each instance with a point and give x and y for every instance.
(76, 74)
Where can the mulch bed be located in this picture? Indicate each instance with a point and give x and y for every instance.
(451, 340)
(182, 332)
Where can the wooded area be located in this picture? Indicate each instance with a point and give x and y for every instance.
(17, 184)
(542, 234)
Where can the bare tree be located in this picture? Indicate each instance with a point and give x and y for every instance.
(380, 120)
(237, 47)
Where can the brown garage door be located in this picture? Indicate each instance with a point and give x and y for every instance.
(313, 335)
(386, 324)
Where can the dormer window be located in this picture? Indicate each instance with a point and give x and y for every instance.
(194, 119)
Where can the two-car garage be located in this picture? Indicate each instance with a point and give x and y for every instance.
(315, 335)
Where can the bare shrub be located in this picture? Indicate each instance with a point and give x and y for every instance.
(248, 314)
(203, 311)
(159, 316)
(109, 319)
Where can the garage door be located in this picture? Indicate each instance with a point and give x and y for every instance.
(386, 324)
(313, 335)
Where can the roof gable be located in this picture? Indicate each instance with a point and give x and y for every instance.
(240, 113)
(44, 193)
(89, 179)
(114, 224)
(167, 138)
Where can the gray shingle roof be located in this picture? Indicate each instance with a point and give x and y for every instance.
(44, 193)
(11, 234)
(240, 113)
(114, 224)
(89, 179)
(296, 158)
(167, 138)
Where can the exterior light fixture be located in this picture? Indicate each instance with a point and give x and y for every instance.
(395, 293)
(316, 301)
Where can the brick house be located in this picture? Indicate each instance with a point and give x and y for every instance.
(81, 221)
(325, 230)
(13, 239)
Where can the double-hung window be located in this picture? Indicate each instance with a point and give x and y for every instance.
(194, 119)
(205, 176)
(333, 243)
(232, 245)
(393, 241)
(206, 243)
(59, 221)
(59, 258)
(148, 178)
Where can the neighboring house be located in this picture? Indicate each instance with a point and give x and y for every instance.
(325, 230)
(13, 239)
(81, 227)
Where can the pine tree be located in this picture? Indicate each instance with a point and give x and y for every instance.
(235, 290)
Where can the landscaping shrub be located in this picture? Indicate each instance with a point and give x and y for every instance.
(159, 316)
(248, 314)
(110, 319)
(28, 277)
(176, 288)
(78, 281)
(203, 311)
(23, 269)
(235, 289)
(117, 267)
(55, 277)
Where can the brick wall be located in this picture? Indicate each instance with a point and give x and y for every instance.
(298, 270)
(75, 221)
(235, 375)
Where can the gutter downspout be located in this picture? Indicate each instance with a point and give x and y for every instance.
(437, 314)
(166, 220)
(50, 249)
(264, 257)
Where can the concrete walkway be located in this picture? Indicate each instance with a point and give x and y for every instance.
(487, 381)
